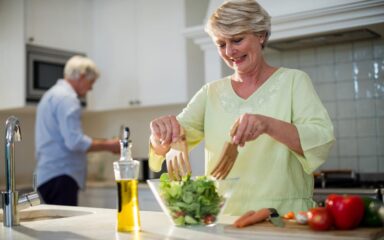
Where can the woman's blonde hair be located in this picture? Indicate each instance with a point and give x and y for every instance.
(239, 16)
(79, 65)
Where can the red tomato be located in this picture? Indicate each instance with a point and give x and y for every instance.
(319, 219)
(347, 210)
(209, 219)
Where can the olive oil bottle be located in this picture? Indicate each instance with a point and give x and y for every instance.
(126, 175)
(128, 217)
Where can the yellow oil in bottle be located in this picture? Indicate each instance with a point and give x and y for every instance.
(128, 215)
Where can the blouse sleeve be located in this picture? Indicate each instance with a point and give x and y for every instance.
(192, 120)
(312, 122)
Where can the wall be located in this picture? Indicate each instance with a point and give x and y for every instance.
(349, 79)
(24, 150)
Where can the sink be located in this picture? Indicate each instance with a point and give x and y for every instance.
(45, 214)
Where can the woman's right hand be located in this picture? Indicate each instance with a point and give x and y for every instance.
(164, 131)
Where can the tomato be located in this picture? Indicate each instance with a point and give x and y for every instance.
(347, 210)
(319, 219)
(209, 219)
(302, 217)
(289, 215)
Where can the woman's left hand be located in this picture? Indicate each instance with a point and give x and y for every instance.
(250, 126)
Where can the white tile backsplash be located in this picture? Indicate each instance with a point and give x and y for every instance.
(362, 50)
(325, 73)
(378, 48)
(365, 108)
(326, 91)
(345, 90)
(312, 73)
(346, 109)
(368, 164)
(331, 108)
(366, 89)
(324, 55)
(307, 57)
(348, 147)
(349, 79)
(366, 127)
(344, 71)
(290, 59)
(380, 127)
(367, 146)
(380, 107)
(347, 128)
(343, 53)
(380, 159)
(380, 146)
(349, 163)
(331, 163)
(364, 69)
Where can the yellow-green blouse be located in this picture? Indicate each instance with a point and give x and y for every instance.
(271, 175)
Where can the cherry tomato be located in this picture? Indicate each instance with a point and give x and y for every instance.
(289, 215)
(209, 219)
(302, 217)
(319, 219)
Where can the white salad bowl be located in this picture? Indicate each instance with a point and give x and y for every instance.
(192, 201)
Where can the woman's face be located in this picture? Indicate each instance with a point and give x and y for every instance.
(242, 52)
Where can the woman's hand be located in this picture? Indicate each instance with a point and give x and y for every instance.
(250, 126)
(164, 131)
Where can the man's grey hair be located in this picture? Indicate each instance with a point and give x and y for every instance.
(79, 65)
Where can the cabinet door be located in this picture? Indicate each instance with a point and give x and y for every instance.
(114, 51)
(161, 52)
(59, 24)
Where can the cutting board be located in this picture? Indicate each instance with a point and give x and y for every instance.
(293, 230)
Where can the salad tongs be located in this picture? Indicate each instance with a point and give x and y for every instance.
(178, 159)
(227, 157)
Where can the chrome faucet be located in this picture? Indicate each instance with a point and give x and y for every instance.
(10, 197)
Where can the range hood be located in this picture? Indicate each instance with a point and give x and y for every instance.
(318, 40)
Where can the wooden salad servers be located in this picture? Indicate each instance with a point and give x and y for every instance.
(227, 157)
(178, 162)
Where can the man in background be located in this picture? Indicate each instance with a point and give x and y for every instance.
(60, 144)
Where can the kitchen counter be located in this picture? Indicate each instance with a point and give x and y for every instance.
(62, 222)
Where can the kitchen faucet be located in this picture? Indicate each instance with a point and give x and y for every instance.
(10, 197)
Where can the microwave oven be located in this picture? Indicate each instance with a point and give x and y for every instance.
(44, 67)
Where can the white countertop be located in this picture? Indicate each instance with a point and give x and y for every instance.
(99, 223)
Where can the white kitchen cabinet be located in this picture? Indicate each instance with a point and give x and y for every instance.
(162, 55)
(12, 63)
(114, 50)
(59, 24)
(140, 50)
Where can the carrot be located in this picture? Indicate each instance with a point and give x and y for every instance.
(252, 217)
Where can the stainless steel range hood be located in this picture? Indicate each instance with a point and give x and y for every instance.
(324, 39)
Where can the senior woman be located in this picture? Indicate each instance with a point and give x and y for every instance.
(283, 128)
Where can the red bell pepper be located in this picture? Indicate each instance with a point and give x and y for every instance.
(347, 210)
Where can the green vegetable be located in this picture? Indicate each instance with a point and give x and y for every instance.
(371, 212)
(190, 201)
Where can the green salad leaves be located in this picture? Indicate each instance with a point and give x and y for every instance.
(191, 201)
